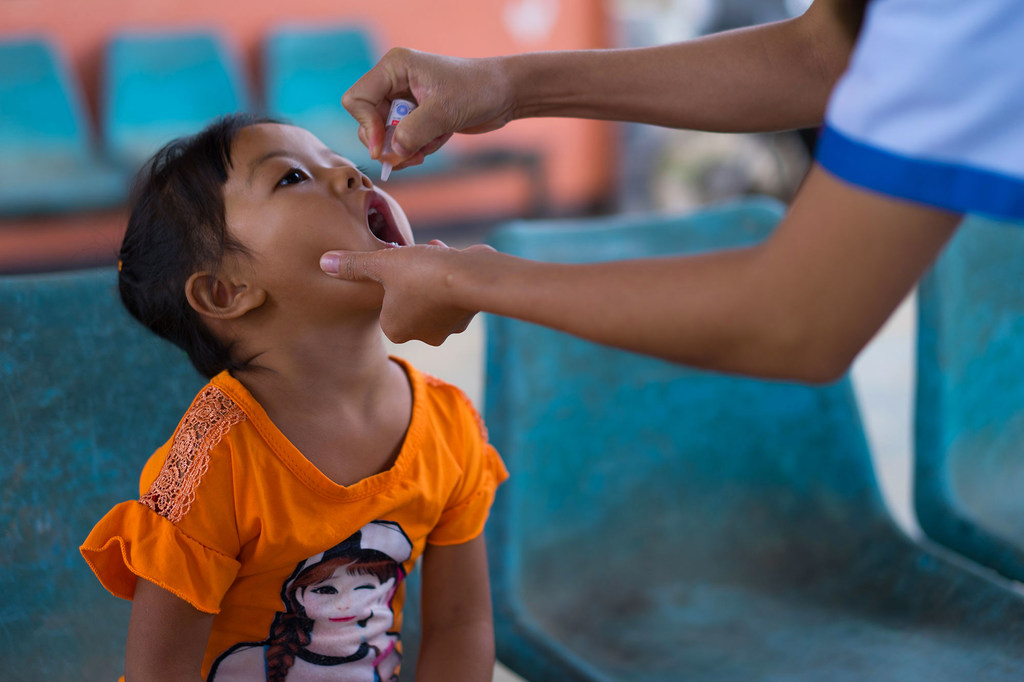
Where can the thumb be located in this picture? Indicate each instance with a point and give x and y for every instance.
(351, 265)
(426, 128)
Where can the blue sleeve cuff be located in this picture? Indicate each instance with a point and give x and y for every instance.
(949, 186)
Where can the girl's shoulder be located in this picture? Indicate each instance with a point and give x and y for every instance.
(174, 471)
(434, 390)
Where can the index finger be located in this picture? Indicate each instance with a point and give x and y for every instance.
(368, 100)
(355, 266)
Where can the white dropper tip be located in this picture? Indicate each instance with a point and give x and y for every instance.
(385, 171)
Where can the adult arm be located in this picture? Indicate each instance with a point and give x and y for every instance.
(800, 305)
(167, 637)
(769, 77)
(458, 629)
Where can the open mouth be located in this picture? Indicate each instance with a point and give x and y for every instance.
(381, 222)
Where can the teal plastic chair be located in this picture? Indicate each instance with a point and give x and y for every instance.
(86, 395)
(662, 523)
(161, 85)
(307, 70)
(48, 160)
(969, 468)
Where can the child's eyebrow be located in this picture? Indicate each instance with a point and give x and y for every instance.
(256, 163)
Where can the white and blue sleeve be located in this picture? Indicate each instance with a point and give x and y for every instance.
(931, 107)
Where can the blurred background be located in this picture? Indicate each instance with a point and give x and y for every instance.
(89, 89)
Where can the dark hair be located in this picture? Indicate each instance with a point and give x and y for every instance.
(177, 227)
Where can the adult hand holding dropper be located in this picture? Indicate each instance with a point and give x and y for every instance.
(886, 193)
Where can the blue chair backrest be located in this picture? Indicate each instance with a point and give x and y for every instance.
(969, 456)
(86, 395)
(620, 458)
(159, 86)
(41, 111)
(307, 70)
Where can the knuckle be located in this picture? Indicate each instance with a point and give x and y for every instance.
(398, 55)
(348, 267)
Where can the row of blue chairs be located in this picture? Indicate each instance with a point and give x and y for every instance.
(157, 86)
(660, 523)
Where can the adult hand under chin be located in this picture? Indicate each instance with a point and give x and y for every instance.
(419, 292)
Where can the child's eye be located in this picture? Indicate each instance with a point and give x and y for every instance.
(293, 177)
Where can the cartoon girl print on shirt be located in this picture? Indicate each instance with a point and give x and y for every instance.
(338, 618)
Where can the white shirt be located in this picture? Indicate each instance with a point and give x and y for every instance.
(931, 108)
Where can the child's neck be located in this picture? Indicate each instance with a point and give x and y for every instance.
(340, 400)
(337, 365)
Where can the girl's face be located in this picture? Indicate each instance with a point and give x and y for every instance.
(288, 198)
(346, 598)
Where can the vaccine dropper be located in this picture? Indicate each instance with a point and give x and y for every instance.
(400, 108)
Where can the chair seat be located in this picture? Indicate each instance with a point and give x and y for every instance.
(72, 183)
(663, 523)
(652, 616)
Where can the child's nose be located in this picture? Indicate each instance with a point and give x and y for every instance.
(349, 178)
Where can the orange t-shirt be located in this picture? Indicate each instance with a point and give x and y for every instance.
(233, 519)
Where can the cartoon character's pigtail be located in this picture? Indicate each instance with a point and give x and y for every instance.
(288, 634)
(292, 630)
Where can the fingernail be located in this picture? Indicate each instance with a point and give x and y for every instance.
(329, 263)
(399, 149)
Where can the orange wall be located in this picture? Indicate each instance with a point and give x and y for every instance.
(580, 154)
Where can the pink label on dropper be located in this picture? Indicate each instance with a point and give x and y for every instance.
(400, 108)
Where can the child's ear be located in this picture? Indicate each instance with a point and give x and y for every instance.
(219, 297)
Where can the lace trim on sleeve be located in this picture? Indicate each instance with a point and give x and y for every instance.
(210, 417)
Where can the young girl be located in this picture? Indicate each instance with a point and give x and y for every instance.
(310, 446)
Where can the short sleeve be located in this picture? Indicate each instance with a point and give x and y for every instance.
(481, 472)
(181, 534)
(929, 109)
(133, 541)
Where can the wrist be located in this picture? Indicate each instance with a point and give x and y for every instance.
(537, 84)
(515, 75)
(488, 281)
(466, 280)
